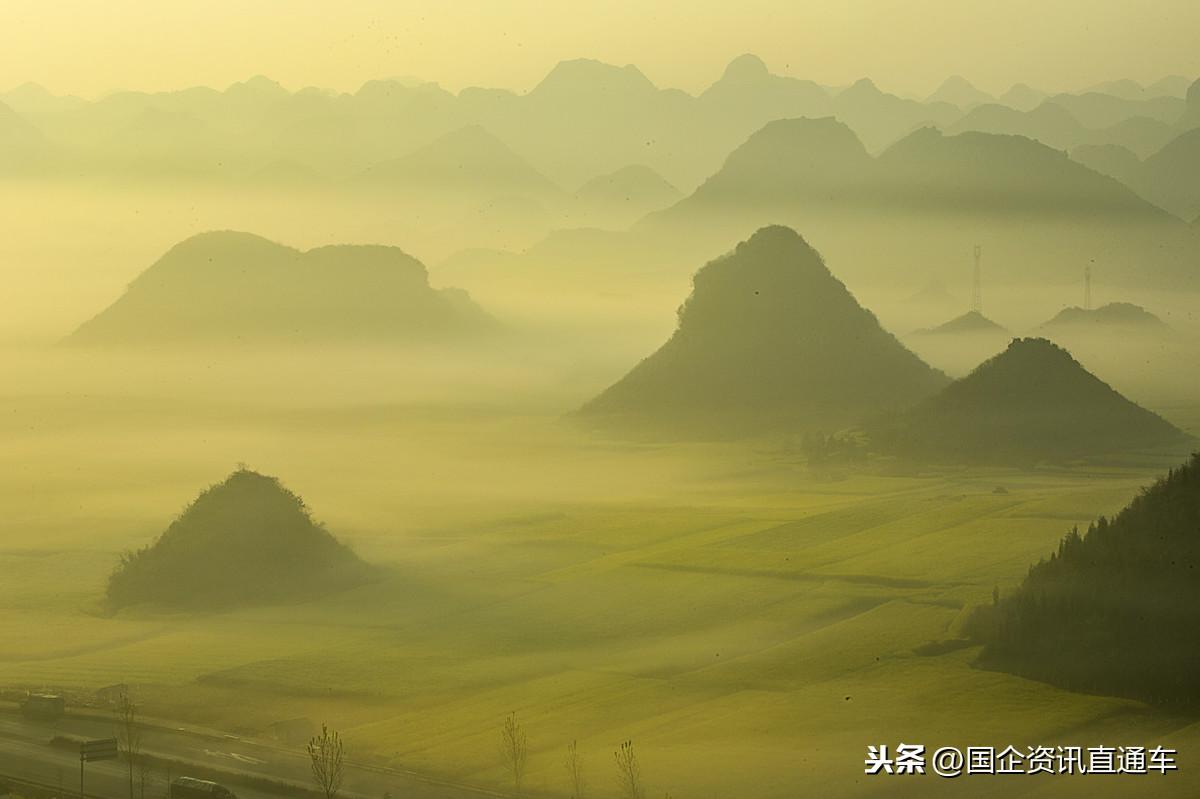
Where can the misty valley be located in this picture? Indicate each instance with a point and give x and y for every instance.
(602, 439)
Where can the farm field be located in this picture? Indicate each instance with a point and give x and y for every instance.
(594, 400)
(750, 623)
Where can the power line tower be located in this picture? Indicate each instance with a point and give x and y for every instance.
(1087, 287)
(977, 285)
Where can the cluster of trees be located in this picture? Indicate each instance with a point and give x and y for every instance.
(245, 540)
(833, 449)
(1114, 610)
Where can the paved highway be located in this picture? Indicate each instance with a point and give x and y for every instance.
(25, 753)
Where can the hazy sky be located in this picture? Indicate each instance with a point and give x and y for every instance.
(92, 46)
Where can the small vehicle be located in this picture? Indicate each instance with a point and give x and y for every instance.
(192, 788)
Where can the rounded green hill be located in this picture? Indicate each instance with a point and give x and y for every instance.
(247, 540)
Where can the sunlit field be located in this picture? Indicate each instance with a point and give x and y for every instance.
(751, 622)
(599, 401)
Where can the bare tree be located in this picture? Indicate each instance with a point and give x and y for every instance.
(144, 772)
(629, 773)
(514, 749)
(327, 755)
(574, 770)
(129, 732)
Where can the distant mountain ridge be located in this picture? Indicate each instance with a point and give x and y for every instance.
(229, 287)
(24, 149)
(972, 322)
(1114, 317)
(1171, 176)
(789, 160)
(958, 91)
(821, 161)
(634, 182)
(588, 75)
(624, 196)
(584, 118)
(1032, 208)
(468, 158)
(1048, 123)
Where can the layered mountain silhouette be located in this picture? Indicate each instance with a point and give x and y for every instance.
(584, 118)
(1048, 123)
(932, 293)
(927, 200)
(958, 91)
(801, 162)
(768, 340)
(1115, 317)
(161, 143)
(23, 148)
(789, 161)
(998, 173)
(1140, 135)
(229, 287)
(1067, 121)
(880, 118)
(1115, 610)
(748, 92)
(587, 118)
(1022, 97)
(1098, 110)
(1169, 86)
(970, 323)
(637, 184)
(1191, 114)
(625, 195)
(247, 540)
(1033, 402)
(587, 78)
(1109, 159)
(960, 344)
(34, 99)
(469, 158)
(1171, 177)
